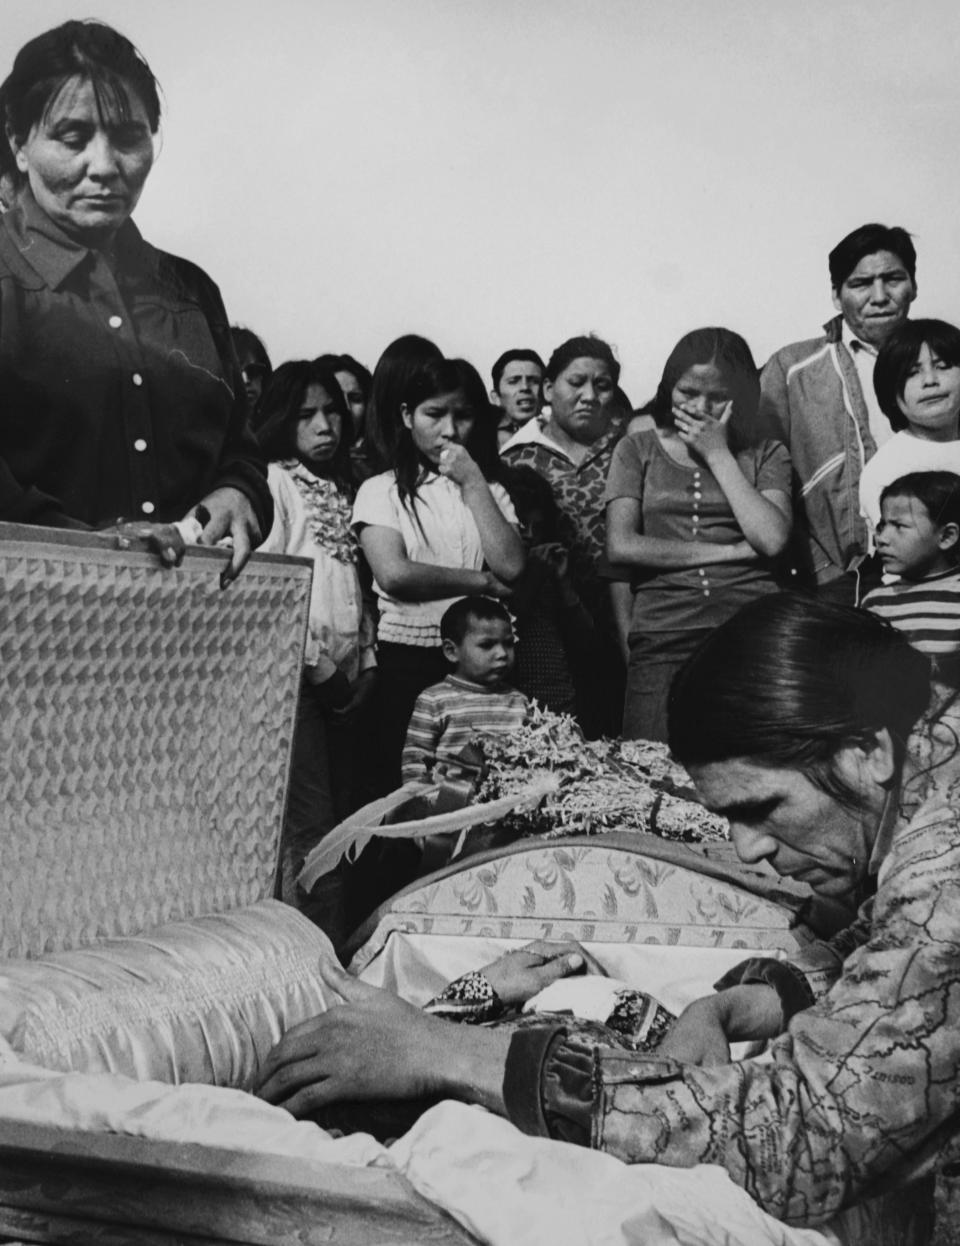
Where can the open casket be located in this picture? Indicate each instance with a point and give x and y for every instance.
(145, 728)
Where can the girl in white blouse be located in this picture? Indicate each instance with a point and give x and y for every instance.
(432, 530)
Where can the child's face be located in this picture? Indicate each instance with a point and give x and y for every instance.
(535, 527)
(485, 655)
(436, 423)
(931, 397)
(318, 428)
(908, 541)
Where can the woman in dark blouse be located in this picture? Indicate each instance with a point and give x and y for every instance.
(120, 395)
(696, 511)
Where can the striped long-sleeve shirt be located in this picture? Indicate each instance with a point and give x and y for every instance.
(926, 611)
(448, 715)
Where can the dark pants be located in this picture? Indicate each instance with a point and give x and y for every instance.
(311, 813)
(600, 691)
(403, 671)
(387, 865)
(654, 660)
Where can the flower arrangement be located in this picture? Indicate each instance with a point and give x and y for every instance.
(602, 785)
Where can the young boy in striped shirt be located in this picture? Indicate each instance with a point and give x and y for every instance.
(477, 638)
(918, 539)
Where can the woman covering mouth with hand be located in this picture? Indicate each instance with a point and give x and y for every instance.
(697, 511)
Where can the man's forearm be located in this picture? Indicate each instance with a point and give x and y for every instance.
(470, 1065)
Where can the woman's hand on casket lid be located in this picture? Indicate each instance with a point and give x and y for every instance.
(376, 1046)
(164, 539)
(703, 1032)
(229, 513)
(518, 976)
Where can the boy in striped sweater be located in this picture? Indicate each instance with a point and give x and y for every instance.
(918, 539)
(477, 638)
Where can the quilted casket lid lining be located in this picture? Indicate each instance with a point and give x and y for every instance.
(146, 720)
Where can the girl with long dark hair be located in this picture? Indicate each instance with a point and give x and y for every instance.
(696, 511)
(432, 529)
(306, 435)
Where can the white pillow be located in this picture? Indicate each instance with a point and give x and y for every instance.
(192, 1001)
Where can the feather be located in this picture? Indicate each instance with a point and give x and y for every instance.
(357, 830)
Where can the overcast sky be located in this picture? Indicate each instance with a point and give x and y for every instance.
(510, 172)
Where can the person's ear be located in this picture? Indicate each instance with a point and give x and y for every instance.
(547, 390)
(836, 298)
(948, 536)
(495, 397)
(451, 652)
(17, 148)
(406, 415)
(875, 755)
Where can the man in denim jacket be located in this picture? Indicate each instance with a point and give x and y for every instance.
(818, 399)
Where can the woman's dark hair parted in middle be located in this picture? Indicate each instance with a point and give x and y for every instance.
(397, 368)
(733, 359)
(434, 378)
(789, 680)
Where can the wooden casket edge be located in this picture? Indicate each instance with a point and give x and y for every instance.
(51, 1176)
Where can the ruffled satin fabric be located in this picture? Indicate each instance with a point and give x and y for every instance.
(202, 1000)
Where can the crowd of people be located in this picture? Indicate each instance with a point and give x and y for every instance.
(476, 550)
(616, 541)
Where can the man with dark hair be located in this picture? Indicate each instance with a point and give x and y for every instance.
(818, 398)
(517, 389)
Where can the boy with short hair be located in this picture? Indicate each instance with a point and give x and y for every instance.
(477, 638)
(918, 540)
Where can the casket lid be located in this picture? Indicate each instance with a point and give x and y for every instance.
(146, 721)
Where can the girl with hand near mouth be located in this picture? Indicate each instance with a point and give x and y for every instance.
(917, 379)
(306, 435)
(432, 529)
